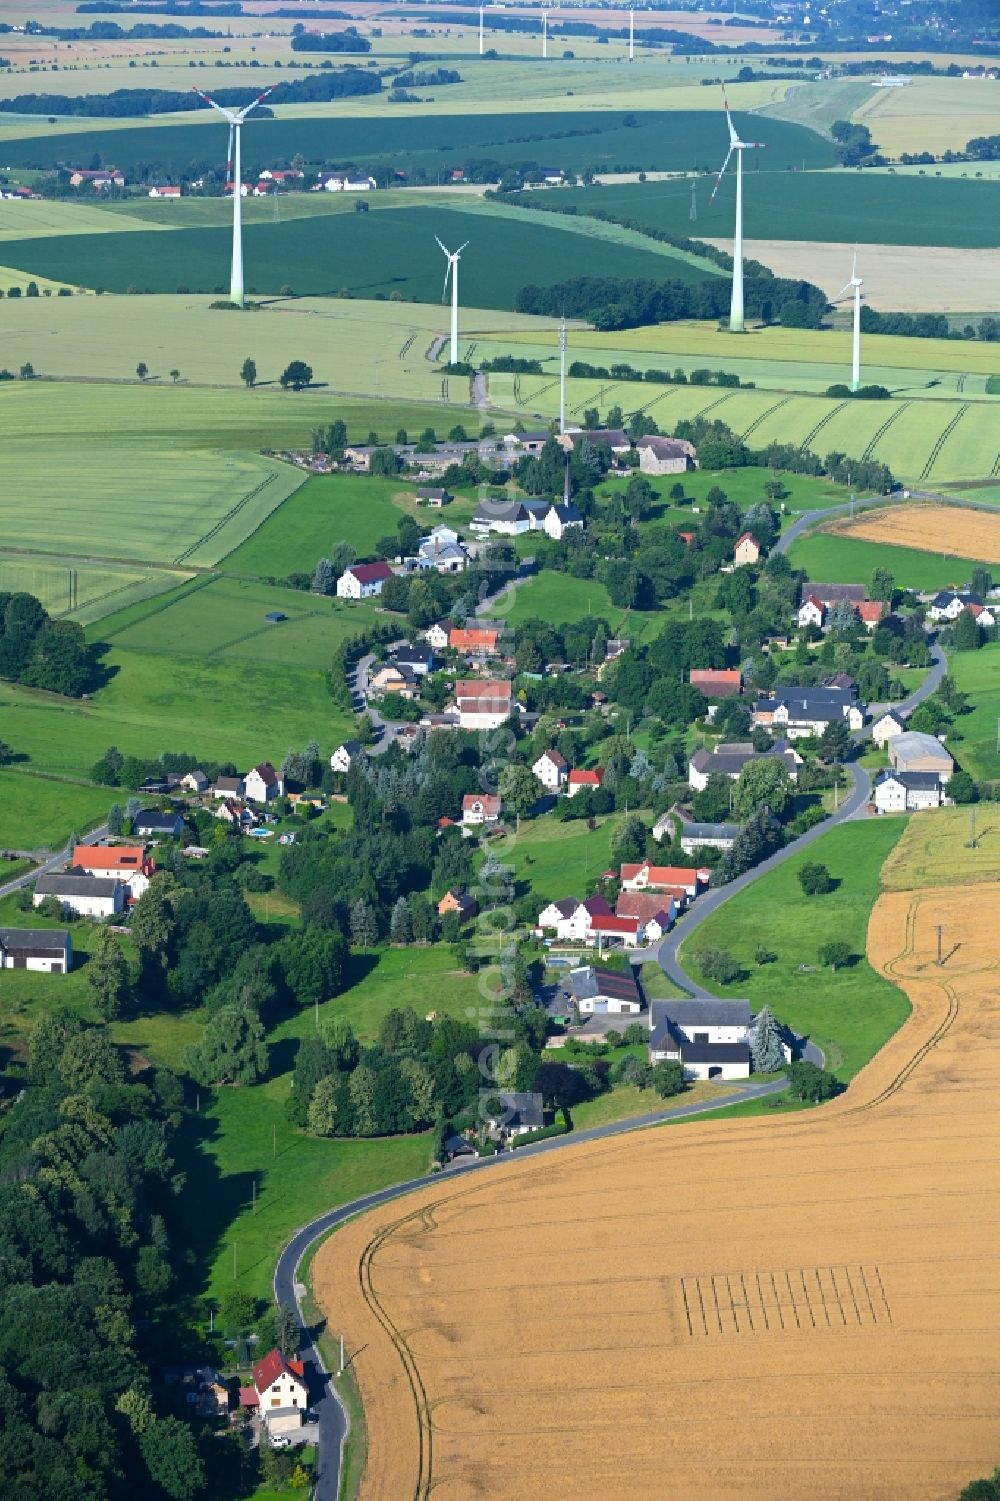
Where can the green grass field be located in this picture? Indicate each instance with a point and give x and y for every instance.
(974, 738)
(817, 206)
(845, 560)
(39, 813)
(668, 140)
(329, 508)
(427, 979)
(556, 859)
(849, 1013)
(366, 254)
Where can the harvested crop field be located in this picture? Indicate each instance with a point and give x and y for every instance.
(949, 530)
(790, 1308)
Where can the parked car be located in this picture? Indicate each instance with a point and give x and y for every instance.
(280, 1441)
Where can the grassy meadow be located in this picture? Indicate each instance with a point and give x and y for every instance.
(974, 741)
(849, 1013)
(826, 557)
(79, 590)
(40, 812)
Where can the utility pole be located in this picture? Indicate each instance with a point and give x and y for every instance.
(545, 33)
(972, 828)
(342, 1361)
(939, 943)
(316, 1003)
(274, 1140)
(253, 1191)
(562, 376)
(234, 1261)
(694, 201)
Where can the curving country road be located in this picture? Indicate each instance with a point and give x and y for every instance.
(331, 1415)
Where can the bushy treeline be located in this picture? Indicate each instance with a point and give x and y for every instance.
(581, 370)
(611, 302)
(720, 448)
(39, 652)
(311, 89)
(88, 1186)
(110, 31)
(348, 40)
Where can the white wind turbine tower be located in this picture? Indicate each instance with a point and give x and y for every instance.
(735, 144)
(631, 34)
(452, 271)
(545, 31)
(854, 285)
(234, 172)
(481, 9)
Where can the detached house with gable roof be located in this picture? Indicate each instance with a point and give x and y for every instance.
(278, 1392)
(710, 1038)
(264, 784)
(363, 580)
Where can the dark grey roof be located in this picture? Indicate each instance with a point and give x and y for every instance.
(352, 747)
(76, 883)
(913, 781)
(809, 703)
(589, 982)
(709, 1012)
(536, 507)
(708, 830)
(614, 437)
(715, 1052)
(830, 594)
(500, 510)
(403, 655)
(567, 513)
(522, 1109)
(150, 818)
(51, 940)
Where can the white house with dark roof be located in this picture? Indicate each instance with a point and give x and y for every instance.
(710, 1037)
(49, 950)
(522, 1112)
(228, 787)
(665, 455)
(560, 519)
(345, 756)
(363, 580)
(908, 791)
(572, 919)
(263, 784)
(603, 992)
(887, 727)
(552, 770)
(87, 896)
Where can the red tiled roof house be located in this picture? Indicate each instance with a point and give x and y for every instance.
(278, 1392)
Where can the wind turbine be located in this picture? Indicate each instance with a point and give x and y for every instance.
(452, 271)
(854, 285)
(235, 176)
(735, 144)
(481, 9)
(631, 34)
(545, 31)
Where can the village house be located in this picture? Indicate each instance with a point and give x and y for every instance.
(442, 551)
(717, 682)
(164, 190)
(345, 182)
(612, 931)
(613, 438)
(194, 781)
(887, 726)
(391, 677)
(747, 550)
(728, 759)
(482, 704)
(948, 604)
(560, 519)
(99, 179)
(692, 835)
(436, 635)
(263, 784)
(127, 863)
(594, 991)
(832, 594)
(87, 896)
(582, 779)
(481, 641)
(983, 614)
(228, 787)
(47, 950)
(666, 455)
(278, 1393)
(871, 613)
(480, 808)
(509, 518)
(908, 791)
(235, 813)
(646, 877)
(345, 756)
(363, 580)
(710, 1038)
(572, 919)
(459, 902)
(551, 769)
(522, 443)
(418, 659)
(657, 911)
(798, 712)
(150, 823)
(812, 611)
(522, 1112)
(914, 751)
(434, 498)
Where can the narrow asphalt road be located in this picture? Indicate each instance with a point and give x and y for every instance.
(53, 863)
(330, 1413)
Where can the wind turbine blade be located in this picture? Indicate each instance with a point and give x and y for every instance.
(226, 113)
(447, 273)
(458, 252)
(444, 248)
(843, 292)
(733, 137)
(254, 103)
(721, 173)
(854, 265)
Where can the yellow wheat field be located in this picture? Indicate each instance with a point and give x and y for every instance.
(958, 532)
(798, 1308)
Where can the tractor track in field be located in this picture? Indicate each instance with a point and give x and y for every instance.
(942, 440)
(881, 432)
(233, 511)
(756, 423)
(815, 431)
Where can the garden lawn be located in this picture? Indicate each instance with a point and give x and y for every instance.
(829, 557)
(974, 742)
(425, 978)
(40, 813)
(625, 1100)
(849, 1013)
(557, 859)
(559, 598)
(232, 1145)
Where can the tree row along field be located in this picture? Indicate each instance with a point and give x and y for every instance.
(574, 139)
(823, 1305)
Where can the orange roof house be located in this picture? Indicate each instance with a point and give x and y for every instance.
(477, 640)
(717, 682)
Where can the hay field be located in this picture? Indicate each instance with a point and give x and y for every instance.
(931, 114)
(75, 590)
(949, 530)
(898, 278)
(788, 1308)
